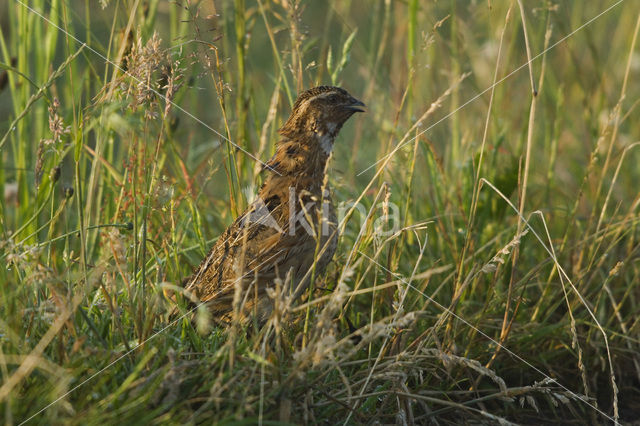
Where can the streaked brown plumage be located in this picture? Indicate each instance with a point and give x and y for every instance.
(279, 231)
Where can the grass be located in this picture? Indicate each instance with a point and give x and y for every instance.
(509, 292)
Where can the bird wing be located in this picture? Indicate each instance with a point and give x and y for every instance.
(256, 246)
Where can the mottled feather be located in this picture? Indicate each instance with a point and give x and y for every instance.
(266, 241)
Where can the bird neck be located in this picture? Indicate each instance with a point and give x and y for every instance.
(325, 138)
(300, 162)
(305, 153)
(308, 129)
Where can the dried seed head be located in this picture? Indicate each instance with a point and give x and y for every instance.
(55, 174)
(68, 191)
(39, 162)
(56, 124)
(616, 269)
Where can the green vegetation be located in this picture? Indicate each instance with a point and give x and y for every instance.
(118, 174)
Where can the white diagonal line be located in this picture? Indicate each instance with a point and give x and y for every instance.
(504, 348)
(590, 21)
(176, 106)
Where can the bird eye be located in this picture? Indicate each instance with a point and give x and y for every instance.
(333, 98)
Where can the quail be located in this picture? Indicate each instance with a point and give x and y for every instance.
(291, 226)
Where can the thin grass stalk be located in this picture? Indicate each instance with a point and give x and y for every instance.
(276, 53)
(527, 161)
(241, 89)
(412, 23)
(476, 184)
(614, 134)
(551, 252)
(375, 66)
(455, 145)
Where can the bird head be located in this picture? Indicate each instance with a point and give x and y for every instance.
(321, 112)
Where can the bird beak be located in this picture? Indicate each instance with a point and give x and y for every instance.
(355, 106)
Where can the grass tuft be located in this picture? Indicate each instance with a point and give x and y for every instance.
(488, 263)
